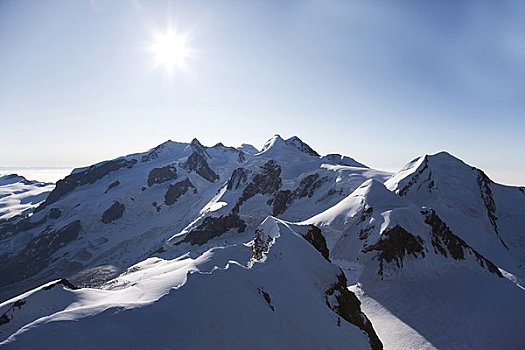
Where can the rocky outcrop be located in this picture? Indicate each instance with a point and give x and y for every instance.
(197, 162)
(344, 303)
(212, 227)
(238, 179)
(488, 199)
(161, 175)
(87, 176)
(315, 237)
(261, 244)
(8, 316)
(281, 201)
(365, 217)
(415, 178)
(446, 243)
(176, 190)
(113, 213)
(112, 186)
(265, 182)
(266, 298)
(394, 245)
(306, 188)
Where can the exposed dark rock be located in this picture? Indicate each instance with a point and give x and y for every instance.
(238, 178)
(394, 245)
(415, 178)
(113, 213)
(88, 176)
(176, 190)
(444, 240)
(315, 237)
(54, 213)
(365, 216)
(5, 319)
(212, 227)
(37, 254)
(198, 163)
(348, 307)
(266, 182)
(199, 147)
(241, 158)
(488, 199)
(308, 185)
(281, 201)
(306, 188)
(112, 185)
(161, 175)
(261, 244)
(266, 298)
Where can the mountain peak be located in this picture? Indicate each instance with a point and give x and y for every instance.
(278, 144)
(300, 145)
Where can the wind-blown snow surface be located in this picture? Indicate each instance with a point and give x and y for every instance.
(181, 236)
(221, 299)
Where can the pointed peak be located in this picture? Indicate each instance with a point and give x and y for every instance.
(302, 146)
(274, 140)
(293, 144)
(196, 143)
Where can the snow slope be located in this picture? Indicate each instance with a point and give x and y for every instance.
(224, 298)
(421, 284)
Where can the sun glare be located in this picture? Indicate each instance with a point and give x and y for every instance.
(170, 50)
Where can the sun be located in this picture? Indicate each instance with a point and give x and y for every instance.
(170, 50)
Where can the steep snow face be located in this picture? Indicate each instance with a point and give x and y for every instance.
(288, 297)
(19, 196)
(487, 215)
(417, 279)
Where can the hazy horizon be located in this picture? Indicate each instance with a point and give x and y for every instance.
(381, 82)
(57, 172)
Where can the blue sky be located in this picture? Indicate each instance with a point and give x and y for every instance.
(381, 81)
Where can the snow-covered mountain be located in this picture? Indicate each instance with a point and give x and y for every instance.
(19, 195)
(266, 249)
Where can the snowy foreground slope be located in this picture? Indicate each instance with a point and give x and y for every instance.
(187, 246)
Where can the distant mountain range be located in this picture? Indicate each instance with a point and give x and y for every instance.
(187, 246)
